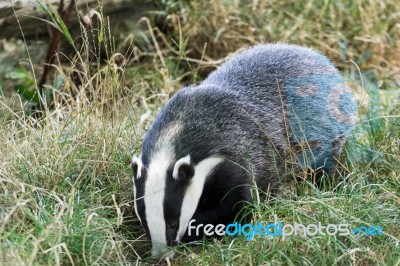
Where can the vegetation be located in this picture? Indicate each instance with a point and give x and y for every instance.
(65, 181)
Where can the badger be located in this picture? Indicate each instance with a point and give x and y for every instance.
(239, 128)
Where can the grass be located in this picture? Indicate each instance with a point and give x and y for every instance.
(66, 196)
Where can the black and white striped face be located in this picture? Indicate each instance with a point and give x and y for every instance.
(166, 196)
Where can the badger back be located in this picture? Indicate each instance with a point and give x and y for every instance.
(311, 104)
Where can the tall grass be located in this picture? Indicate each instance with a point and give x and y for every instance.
(66, 196)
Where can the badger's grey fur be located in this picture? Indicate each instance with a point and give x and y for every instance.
(208, 142)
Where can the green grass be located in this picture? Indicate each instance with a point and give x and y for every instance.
(65, 184)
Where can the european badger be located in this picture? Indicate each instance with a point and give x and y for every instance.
(209, 141)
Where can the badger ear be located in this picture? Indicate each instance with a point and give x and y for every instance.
(183, 169)
(137, 166)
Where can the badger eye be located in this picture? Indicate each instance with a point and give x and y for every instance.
(173, 225)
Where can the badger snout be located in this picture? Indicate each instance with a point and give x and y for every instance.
(159, 251)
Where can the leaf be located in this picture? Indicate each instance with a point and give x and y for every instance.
(42, 5)
(365, 56)
(64, 29)
(18, 74)
(29, 94)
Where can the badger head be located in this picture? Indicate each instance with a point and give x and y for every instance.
(166, 195)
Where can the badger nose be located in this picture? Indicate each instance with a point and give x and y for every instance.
(173, 243)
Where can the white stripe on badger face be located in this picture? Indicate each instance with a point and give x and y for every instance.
(139, 164)
(155, 187)
(194, 191)
(169, 133)
(154, 200)
(134, 203)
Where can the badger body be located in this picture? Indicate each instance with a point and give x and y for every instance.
(210, 142)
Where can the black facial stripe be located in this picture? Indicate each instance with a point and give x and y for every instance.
(174, 194)
(141, 208)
